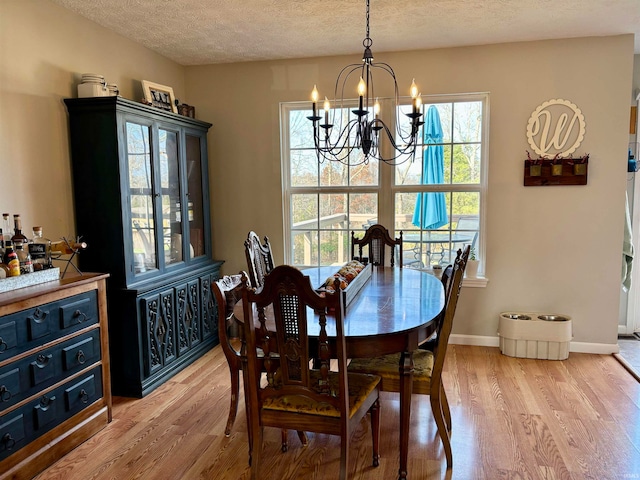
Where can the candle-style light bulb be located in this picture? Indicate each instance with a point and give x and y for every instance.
(419, 101)
(376, 108)
(414, 89)
(314, 99)
(362, 90)
(327, 107)
(362, 87)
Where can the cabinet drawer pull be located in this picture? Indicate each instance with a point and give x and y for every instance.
(80, 357)
(84, 396)
(45, 402)
(8, 441)
(5, 394)
(42, 360)
(81, 316)
(3, 345)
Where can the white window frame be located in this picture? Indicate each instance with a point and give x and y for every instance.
(386, 188)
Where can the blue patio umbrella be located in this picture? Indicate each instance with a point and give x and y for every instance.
(431, 207)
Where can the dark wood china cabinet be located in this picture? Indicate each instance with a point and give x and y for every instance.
(140, 180)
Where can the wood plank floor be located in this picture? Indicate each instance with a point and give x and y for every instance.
(512, 419)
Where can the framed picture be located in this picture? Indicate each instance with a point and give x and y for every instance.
(159, 96)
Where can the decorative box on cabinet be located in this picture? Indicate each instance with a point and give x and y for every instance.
(140, 177)
(55, 388)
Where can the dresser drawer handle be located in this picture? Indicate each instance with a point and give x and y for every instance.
(84, 396)
(81, 316)
(5, 394)
(42, 359)
(8, 441)
(81, 357)
(3, 345)
(45, 402)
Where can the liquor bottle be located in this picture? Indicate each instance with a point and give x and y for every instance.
(11, 260)
(26, 265)
(18, 235)
(6, 226)
(40, 250)
(1, 245)
(67, 247)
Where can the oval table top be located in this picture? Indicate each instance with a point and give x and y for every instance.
(394, 311)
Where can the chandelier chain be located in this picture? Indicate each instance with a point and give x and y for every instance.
(367, 36)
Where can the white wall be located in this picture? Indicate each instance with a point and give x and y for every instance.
(554, 249)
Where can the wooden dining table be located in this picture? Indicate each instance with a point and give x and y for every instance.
(395, 311)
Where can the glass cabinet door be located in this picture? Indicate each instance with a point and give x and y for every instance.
(195, 198)
(143, 231)
(171, 196)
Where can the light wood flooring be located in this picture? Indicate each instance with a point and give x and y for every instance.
(512, 419)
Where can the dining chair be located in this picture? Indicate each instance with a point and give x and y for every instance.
(293, 394)
(259, 264)
(375, 239)
(227, 291)
(428, 365)
(259, 258)
(431, 342)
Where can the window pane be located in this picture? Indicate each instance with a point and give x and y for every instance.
(333, 211)
(467, 122)
(363, 210)
(333, 173)
(364, 174)
(405, 204)
(305, 247)
(304, 168)
(466, 164)
(300, 129)
(304, 211)
(334, 247)
(410, 173)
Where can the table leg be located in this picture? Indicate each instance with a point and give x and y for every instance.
(406, 387)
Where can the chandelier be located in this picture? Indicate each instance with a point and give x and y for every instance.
(342, 137)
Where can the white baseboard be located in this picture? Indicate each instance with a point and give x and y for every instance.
(578, 347)
(600, 348)
(477, 340)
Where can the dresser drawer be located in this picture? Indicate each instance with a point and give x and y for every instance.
(24, 330)
(27, 376)
(44, 412)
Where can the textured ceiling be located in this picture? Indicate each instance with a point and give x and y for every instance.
(198, 32)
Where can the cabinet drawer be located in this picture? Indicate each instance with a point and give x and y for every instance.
(42, 369)
(44, 412)
(12, 433)
(24, 330)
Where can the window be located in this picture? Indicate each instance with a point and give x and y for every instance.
(437, 199)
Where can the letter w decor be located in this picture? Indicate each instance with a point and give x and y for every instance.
(554, 131)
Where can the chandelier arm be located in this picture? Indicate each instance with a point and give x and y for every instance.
(407, 150)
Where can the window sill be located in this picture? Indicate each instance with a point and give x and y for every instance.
(478, 282)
